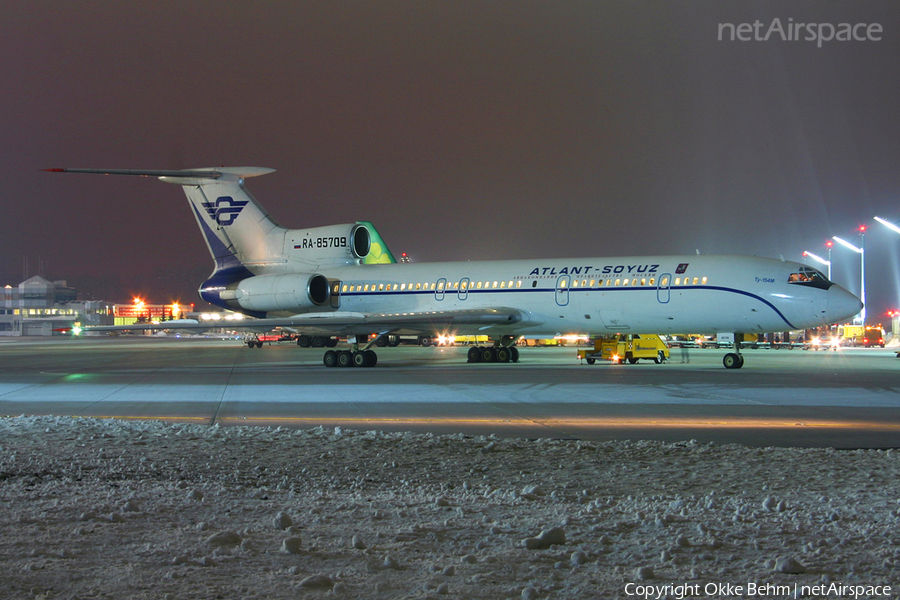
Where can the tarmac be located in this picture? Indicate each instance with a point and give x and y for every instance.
(848, 398)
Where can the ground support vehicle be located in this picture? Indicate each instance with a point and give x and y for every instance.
(849, 334)
(620, 348)
(256, 340)
(873, 336)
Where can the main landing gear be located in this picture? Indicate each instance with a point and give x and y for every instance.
(383, 341)
(355, 357)
(505, 352)
(350, 358)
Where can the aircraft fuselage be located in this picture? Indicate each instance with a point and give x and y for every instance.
(657, 294)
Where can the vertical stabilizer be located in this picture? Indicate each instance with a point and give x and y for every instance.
(237, 229)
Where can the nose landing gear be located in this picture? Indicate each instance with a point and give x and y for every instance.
(734, 360)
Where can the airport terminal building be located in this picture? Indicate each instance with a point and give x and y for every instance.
(41, 307)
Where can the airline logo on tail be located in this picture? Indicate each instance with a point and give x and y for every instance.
(225, 209)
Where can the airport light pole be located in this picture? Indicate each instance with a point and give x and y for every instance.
(827, 263)
(895, 315)
(888, 224)
(862, 267)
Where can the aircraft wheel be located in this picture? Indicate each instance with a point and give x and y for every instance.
(360, 359)
(514, 354)
(371, 357)
(474, 355)
(318, 341)
(591, 361)
(344, 359)
(331, 342)
(425, 341)
(304, 341)
(733, 361)
(488, 355)
(502, 355)
(330, 358)
(382, 341)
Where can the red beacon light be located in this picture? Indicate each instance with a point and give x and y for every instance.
(862, 228)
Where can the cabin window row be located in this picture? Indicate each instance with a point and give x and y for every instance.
(515, 284)
(439, 286)
(633, 282)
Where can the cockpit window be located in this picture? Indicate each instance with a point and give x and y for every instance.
(810, 277)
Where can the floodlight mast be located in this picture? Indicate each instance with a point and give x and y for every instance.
(895, 229)
(861, 250)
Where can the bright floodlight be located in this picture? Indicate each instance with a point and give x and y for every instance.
(888, 224)
(818, 258)
(847, 244)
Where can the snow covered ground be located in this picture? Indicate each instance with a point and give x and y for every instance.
(144, 509)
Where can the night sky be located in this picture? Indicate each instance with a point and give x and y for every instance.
(463, 130)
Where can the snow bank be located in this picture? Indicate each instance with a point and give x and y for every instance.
(143, 509)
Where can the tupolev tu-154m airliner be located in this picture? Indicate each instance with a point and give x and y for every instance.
(342, 281)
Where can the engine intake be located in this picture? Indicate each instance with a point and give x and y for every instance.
(361, 241)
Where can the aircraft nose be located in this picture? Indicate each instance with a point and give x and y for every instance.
(842, 304)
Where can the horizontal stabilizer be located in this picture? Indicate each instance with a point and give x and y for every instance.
(211, 173)
(193, 173)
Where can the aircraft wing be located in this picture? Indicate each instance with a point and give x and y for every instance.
(186, 324)
(345, 323)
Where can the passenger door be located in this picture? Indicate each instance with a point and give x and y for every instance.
(562, 290)
(336, 294)
(663, 292)
(463, 288)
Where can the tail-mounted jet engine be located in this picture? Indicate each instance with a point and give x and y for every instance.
(292, 293)
(331, 244)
